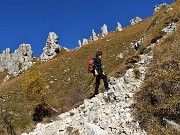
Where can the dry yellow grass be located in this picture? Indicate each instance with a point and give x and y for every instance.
(2, 76)
(159, 96)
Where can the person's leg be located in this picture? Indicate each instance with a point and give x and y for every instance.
(104, 77)
(97, 85)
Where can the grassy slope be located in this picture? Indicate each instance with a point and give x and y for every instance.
(65, 94)
(160, 94)
(2, 76)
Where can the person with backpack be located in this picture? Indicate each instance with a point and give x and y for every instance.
(98, 73)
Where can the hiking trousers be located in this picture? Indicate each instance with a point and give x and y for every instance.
(98, 78)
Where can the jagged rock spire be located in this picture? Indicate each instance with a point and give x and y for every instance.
(94, 37)
(104, 30)
(79, 43)
(51, 48)
(85, 41)
(18, 61)
(119, 27)
(5, 59)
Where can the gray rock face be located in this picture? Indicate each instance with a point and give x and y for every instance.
(135, 20)
(18, 61)
(51, 48)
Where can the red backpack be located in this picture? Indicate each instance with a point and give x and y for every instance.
(91, 65)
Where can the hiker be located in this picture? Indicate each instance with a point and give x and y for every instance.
(98, 73)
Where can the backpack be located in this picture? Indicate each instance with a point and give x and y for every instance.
(91, 65)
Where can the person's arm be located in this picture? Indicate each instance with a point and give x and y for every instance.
(95, 67)
(95, 72)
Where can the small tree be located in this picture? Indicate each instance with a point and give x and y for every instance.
(34, 85)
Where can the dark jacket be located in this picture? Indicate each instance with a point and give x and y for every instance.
(98, 65)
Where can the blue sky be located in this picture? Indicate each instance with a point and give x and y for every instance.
(30, 21)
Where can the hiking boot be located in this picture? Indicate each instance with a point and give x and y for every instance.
(106, 90)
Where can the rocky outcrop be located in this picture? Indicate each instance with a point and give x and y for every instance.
(79, 43)
(51, 48)
(158, 7)
(135, 20)
(6, 78)
(168, 10)
(170, 28)
(104, 30)
(94, 37)
(119, 27)
(18, 61)
(139, 43)
(172, 125)
(5, 59)
(85, 41)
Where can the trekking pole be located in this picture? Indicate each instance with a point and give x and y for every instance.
(83, 91)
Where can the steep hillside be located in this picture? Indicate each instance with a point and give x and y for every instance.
(68, 78)
(158, 101)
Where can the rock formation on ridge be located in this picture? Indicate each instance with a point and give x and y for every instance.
(135, 20)
(158, 7)
(51, 48)
(94, 37)
(119, 27)
(18, 61)
(104, 30)
(85, 41)
(79, 43)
